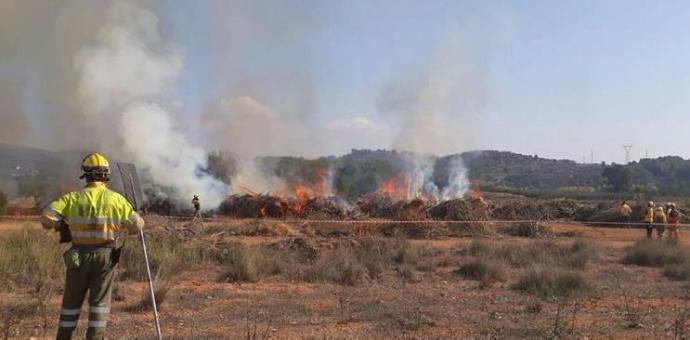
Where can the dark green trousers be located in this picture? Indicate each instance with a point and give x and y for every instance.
(95, 275)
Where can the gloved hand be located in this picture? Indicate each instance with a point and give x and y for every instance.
(65, 235)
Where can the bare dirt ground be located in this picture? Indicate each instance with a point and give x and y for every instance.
(426, 299)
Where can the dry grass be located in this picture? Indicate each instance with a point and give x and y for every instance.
(348, 263)
(168, 255)
(654, 253)
(552, 283)
(29, 258)
(161, 287)
(484, 270)
(339, 266)
(240, 264)
(575, 256)
(12, 314)
(527, 230)
(389, 288)
(679, 271)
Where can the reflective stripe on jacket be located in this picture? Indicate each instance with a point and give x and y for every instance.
(95, 215)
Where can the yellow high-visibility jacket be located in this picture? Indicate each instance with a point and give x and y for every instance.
(625, 210)
(649, 215)
(659, 216)
(95, 215)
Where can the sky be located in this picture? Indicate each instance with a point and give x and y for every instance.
(559, 79)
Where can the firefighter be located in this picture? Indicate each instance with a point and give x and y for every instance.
(197, 206)
(649, 219)
(95, 216)
(673, 217)
(660, 221)
(625, 211)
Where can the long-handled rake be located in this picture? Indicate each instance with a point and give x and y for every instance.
(132, 190)
(148, 273)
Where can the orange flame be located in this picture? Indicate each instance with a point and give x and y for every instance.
(262, 212)
(302, 194)
(396, 186)
(475, 190)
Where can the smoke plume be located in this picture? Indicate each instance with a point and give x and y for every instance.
(124, 78)
(431, 113)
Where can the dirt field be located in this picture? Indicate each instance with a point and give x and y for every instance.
(419, 293)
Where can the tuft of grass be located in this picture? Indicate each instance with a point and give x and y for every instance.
(240, 264)
(579, 254)
(654, 253)
(552, 283)
(403, 252)
(478, 247)
(486, 271)
(168, 256)
(548, 253)
(373, 255)
(527, 230)
(161, 287)
(339, 266)
(534, 307)
(680, 271)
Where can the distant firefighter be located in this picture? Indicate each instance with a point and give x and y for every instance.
(673, 217)
(625, 213)
(660, 221)
(197, 206)
(649, 219)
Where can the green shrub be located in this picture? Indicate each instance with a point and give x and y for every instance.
(552, 283)
(654, 253)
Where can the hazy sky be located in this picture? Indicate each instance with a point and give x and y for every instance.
(553, 78)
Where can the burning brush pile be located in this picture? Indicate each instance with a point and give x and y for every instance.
(374, 205)
(382, 206)
(397, 198)
(304, 203)
(391, 201)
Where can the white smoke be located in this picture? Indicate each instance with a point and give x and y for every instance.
(432, 113)
(123, 80)
(458, 182)
(251, 129)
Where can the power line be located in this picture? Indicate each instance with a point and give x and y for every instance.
(627, 148)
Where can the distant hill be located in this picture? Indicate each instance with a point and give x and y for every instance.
(26, 171)
(522, 171)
